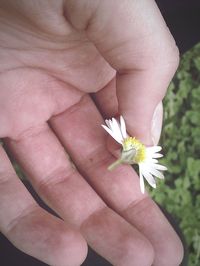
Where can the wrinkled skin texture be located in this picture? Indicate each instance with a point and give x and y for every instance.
(54, 54)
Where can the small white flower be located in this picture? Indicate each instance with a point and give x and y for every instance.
(134, 152)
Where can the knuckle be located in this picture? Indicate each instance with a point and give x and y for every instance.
(172, 57)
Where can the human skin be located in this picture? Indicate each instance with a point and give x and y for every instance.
(54, 54)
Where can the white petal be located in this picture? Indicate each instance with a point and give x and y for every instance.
(160, 167)
(142, 183)
(108, 123)
(150, 179)
(115, 125)
(112, 134)
(155, 172)
(154, 149)
(116, 129)
(151, 161)
(157, 155)
(123, 127)
(108, 130)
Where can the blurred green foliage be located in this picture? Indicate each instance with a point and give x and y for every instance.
(180, 193)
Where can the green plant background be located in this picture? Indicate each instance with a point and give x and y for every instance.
(180, 192)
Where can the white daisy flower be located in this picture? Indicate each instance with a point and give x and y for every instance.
(134, 152)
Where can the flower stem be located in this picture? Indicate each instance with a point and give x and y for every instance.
(114, 165)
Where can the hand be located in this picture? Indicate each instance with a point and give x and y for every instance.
(53, 54)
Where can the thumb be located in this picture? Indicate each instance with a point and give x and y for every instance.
(134, 39)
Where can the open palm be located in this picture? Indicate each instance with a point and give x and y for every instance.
(50, 63)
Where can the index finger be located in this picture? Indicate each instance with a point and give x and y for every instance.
(133, 37)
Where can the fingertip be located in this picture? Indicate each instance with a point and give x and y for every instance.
(48, 239)
(73, 249)
(149, 131)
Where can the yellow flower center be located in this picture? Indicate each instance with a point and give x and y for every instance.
(131, 143)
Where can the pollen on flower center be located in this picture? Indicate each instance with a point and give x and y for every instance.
(131, 143)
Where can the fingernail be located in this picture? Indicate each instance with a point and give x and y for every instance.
(156, 124)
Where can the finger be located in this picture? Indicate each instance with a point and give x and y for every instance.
(85, 142)
(106, 100)
(32, 229)
(61, 186)
(138, 45)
